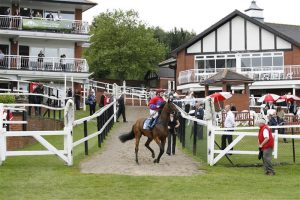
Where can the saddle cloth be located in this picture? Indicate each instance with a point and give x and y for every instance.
(146, 123)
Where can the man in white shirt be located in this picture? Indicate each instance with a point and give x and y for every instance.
(229, 122)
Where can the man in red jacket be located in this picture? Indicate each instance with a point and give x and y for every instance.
(266, 144)
(155, 106)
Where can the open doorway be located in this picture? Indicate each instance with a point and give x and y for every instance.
(24, 53)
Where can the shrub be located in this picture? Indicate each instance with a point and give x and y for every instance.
(7, 99)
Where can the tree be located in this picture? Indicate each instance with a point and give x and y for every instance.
(122, 47)
(172, 39)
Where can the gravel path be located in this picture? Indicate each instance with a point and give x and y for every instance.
(119, 158)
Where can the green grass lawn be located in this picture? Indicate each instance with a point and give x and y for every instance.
(46, 177)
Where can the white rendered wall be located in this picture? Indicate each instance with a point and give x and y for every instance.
(51, 48)
(267, 40)
(252, 36)
(223, 37)
(209, 42)
(282, 44)
(195, 48)
(4, 40)
(238, 34)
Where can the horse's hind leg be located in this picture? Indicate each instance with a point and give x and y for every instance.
(148, 147)
(137, 141)
(161, 145)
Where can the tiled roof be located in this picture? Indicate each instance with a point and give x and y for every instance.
(286, 32)
(292, 31)
(227, 76)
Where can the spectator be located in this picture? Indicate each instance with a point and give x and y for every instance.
(277, 121)
(92, 101)
(7, 11)
(199, 114)
(252, 100)
(121, 108)
(31, 14)
(106, 99)
(63, 62)
(292, 107)
(172, 125)
(38, 14)
(280, 112)
(50, 16)
(266, 144)
(1, 58)
(40, 59)
(38, 98)
(229, 122)
(58, 16)
(16, 20)
(70, 93)
(102, 99)
(232, 107)
(7, 22)
(77, 99)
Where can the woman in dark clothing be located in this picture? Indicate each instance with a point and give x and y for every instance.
(77, 99)
(121, 108)
(173, 123)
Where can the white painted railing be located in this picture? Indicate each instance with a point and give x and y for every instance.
(238, 131)
(257, 73)
(43, 24)
(35, 63)
(65, 154)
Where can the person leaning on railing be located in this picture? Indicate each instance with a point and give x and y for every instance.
(1, 58)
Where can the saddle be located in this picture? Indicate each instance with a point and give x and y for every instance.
(149, 123)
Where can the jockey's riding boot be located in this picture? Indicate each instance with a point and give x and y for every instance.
(152, 123)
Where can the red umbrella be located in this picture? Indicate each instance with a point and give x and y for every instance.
(220, 96)
(268, 98)
(288, 98)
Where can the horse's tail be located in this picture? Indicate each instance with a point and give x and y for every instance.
(127, 136)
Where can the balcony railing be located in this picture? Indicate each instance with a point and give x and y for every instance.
(34, 63)
(258, 73)
(43, 24)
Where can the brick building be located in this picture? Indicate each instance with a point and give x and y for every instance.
(268, 53)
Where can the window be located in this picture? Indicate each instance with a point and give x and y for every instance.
(245, 62)
(256, 62)
(210, 64)
(231, 63)
(220, 63)
(267, 61)
(277, 61)
(200, 64)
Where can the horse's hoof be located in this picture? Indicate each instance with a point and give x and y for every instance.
(155, 161)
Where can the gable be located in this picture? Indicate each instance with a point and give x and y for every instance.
(239, 34)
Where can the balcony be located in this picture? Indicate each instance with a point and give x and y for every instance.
(43, 24)
(50, 64)
(287, 72)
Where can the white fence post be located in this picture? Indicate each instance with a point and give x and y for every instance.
(2, 137)
(115, 110)
(68, 137)
(212, 146)
(275, 151)
(209, 139)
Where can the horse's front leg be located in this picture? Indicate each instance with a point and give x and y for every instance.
(148, 147)
(161, 144)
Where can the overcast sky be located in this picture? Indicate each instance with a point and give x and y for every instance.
(197, 15)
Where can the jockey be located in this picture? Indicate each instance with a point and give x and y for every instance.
(154, 105)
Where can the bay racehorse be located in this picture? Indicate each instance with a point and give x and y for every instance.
(159, 133)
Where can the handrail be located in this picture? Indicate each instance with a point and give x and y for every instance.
(17, 22)
(257, 73)
(44, 63)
